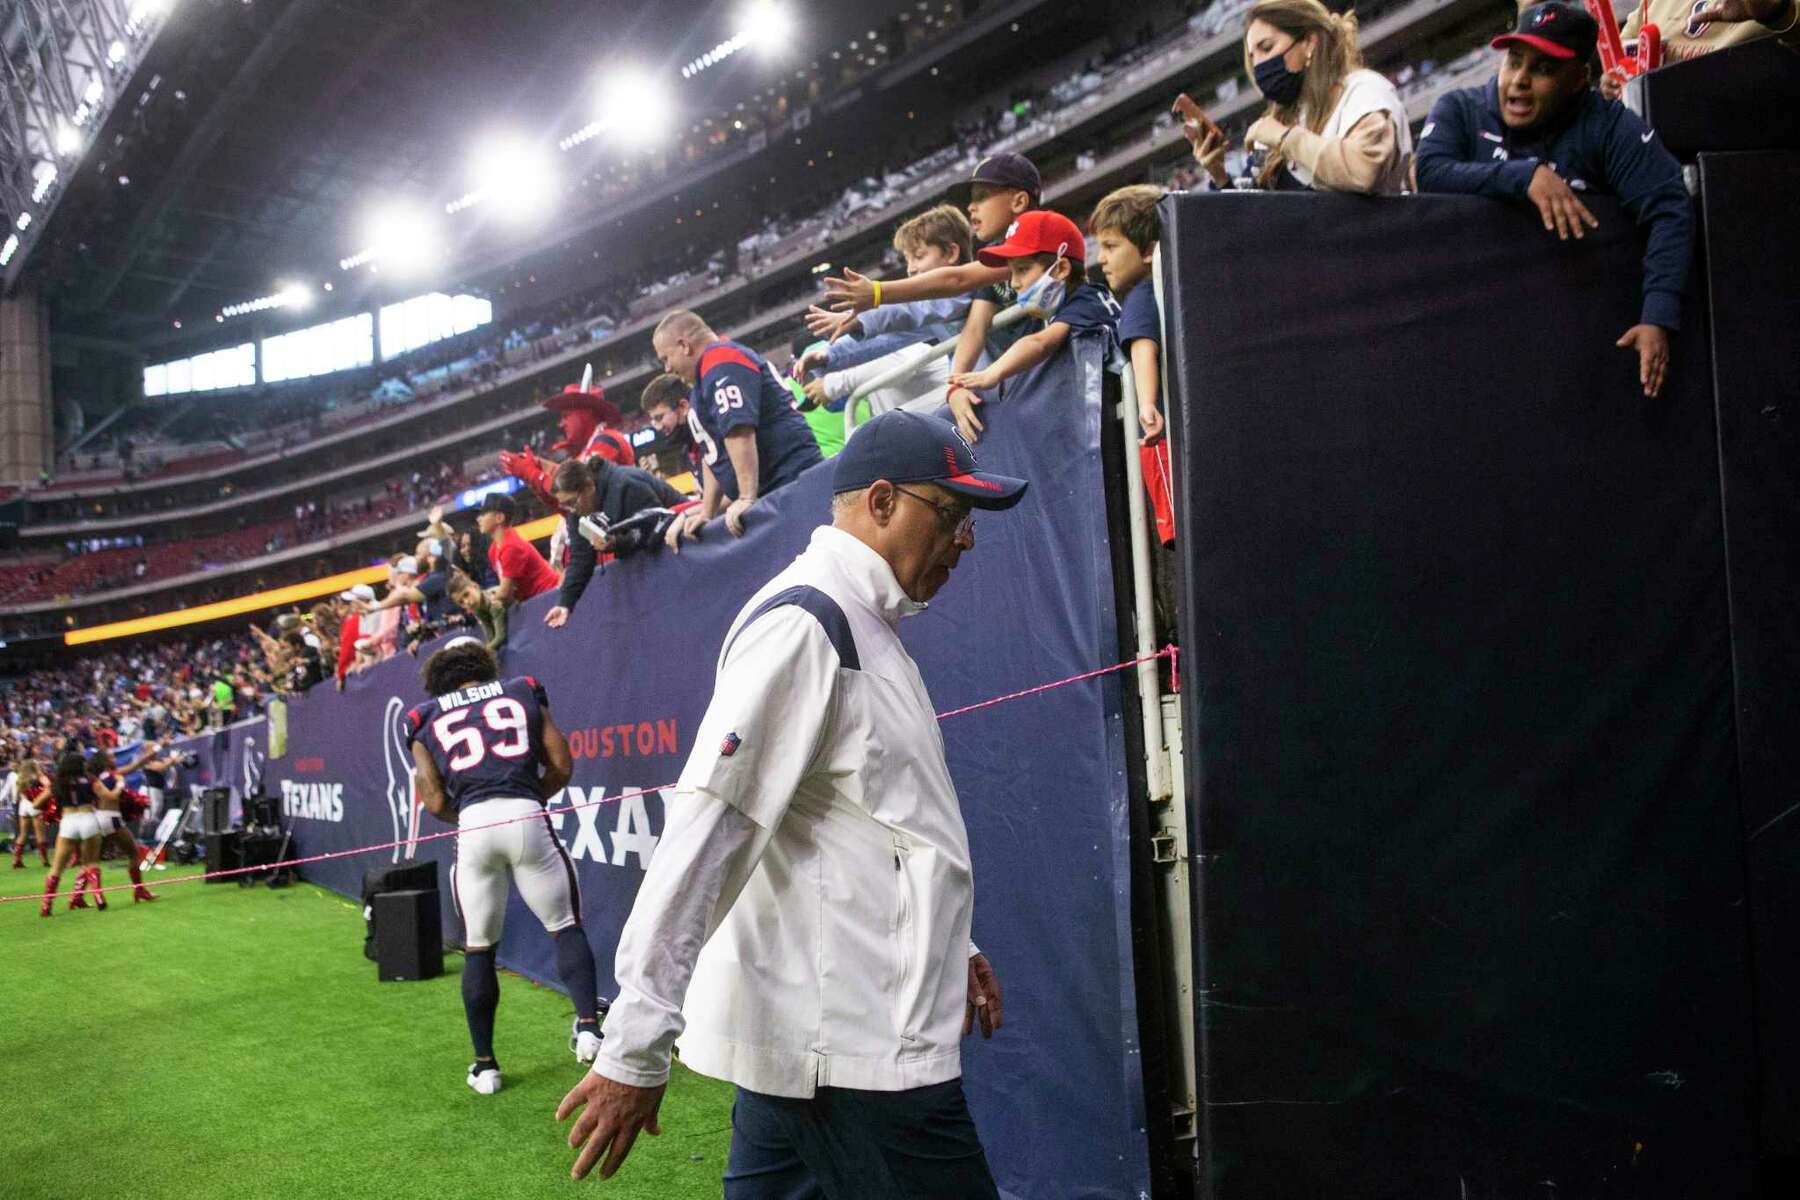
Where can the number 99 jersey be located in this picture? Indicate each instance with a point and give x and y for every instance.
(484, 739)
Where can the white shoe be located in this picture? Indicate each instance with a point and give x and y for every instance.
(585, 1043)
(485, 1080)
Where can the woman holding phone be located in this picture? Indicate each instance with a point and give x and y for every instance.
(1331, 125)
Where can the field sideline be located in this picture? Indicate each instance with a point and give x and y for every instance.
(235, 1042)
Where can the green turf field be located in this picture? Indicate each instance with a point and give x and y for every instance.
(227, 1042)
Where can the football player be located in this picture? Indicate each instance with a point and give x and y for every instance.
(489, 756)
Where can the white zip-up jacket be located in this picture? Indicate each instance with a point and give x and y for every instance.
(813, 876)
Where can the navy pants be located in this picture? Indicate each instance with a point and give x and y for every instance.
(854, 1145)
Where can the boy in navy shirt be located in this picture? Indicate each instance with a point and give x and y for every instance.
(1046, 256)
(1539, 133)
(1126, 230)
(751, 438)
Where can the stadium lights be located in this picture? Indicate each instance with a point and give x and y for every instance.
(24, 222)
(45, 173)
(400, 238)
(293, 295)
(67, 140)
(513, 177)
(635, 111)
(767, 25)
(9, 248)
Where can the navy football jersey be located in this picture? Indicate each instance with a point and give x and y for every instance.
(1088, 307)
(484, 739)
(736, 389)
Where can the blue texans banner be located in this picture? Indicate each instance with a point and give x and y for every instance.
(1057, 1093)
(234, 757)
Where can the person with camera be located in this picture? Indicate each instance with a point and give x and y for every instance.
(607, 509)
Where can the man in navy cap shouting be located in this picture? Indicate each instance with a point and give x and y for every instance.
(803, 928)
(1538, 133)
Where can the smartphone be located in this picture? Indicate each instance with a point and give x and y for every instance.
(1192, 114)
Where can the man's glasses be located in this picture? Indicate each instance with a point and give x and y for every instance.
(952, 518)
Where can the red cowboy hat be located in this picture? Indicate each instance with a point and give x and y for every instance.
(592, 401)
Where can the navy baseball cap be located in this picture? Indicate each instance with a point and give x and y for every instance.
(1006, 170)
(1562, 31)
(905, 447)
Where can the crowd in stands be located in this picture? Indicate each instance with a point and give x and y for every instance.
(1329, 124)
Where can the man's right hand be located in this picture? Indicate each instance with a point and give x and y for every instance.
(557, 617)
(612, 1116)
(1557, 203)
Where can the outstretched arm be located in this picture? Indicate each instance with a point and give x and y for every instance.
(856, 292)
(1020, 357)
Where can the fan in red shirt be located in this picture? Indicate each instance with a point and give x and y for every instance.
(350, 629)
(522, 571)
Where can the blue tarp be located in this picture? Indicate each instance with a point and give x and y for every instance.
(1057, 1094)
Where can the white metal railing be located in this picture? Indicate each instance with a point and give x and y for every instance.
(913, 363)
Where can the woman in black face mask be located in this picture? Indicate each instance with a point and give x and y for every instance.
(1331, 124)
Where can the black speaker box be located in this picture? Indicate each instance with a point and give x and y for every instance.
(409, 936)
(411, 876)
(215, 809)
(223, 853)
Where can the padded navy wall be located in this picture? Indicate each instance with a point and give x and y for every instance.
(1461, 751)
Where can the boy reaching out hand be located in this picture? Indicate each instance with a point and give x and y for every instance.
(1045, 257)
(1003, 188)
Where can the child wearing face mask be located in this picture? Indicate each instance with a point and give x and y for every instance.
(1331, 124)
(1045, 257)
(1001, 189)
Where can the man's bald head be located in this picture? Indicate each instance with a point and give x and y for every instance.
(678, 340)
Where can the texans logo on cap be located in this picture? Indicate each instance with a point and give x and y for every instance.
(1544, 17)
(730, 745)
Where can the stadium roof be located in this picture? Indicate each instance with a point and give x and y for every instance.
(265, 130)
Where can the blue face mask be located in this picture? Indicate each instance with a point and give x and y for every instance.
(1044, 296)
(1278, 84)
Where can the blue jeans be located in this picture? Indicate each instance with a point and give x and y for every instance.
(854, 1145)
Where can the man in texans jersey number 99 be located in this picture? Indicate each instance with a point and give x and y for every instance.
(488, 756)
(751, 438)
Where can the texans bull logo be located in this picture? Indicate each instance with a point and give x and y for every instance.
(402, 802)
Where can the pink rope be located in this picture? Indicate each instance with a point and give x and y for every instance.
(1165, 652)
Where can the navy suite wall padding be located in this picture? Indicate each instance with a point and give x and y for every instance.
(1459, 710)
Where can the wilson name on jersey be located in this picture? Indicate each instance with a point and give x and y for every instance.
(484, 739)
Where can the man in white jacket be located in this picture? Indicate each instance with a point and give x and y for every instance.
(803, 928)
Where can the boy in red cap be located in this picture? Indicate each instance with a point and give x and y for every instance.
(1045, 257)
(1003, 188)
